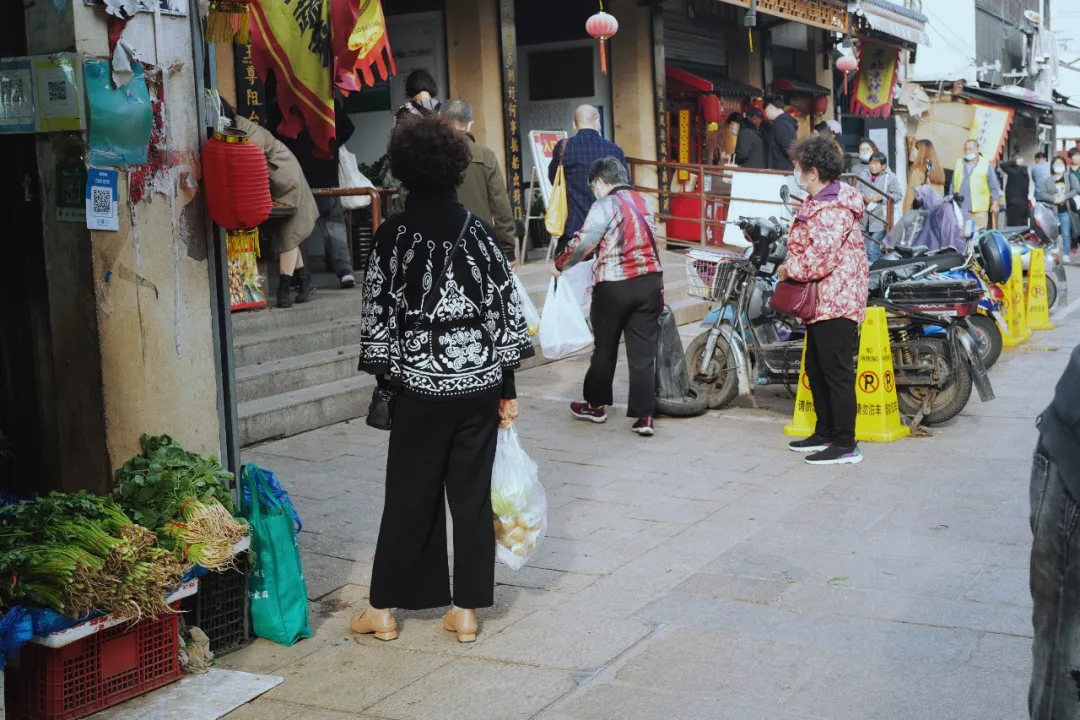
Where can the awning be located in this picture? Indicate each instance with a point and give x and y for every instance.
(701, 81)
(893, 19)
(1015, 99)
(1066, 114)
(780, 84)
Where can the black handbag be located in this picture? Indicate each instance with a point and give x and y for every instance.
(381, 410)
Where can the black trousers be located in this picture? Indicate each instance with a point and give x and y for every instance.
(629, 307)
(1016, 213)
(830, 367)
(438, 450)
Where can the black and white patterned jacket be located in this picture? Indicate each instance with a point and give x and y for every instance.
(474, 334)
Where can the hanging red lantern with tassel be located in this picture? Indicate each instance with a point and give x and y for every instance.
(602, 26)
(228, 21)
(846, 64)
(237, 181)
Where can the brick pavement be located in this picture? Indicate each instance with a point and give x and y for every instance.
(705, 573)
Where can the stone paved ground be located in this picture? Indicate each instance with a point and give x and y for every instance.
(705, 573)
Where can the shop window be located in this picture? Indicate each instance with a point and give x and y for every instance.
(561, 74)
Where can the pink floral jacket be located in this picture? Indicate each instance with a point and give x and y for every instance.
(825, 243)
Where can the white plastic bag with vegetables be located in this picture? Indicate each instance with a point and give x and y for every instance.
(518, 501)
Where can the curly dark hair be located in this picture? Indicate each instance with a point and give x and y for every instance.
(428, 153)
(820, 153)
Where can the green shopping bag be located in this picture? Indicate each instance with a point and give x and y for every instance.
(278, 593)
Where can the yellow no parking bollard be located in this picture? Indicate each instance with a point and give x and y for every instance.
(877, 416)
(1038, 312)
(1015, 305)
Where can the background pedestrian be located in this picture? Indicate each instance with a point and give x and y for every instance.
(783, 132)
(883, 187)
(750, 145)
(1061, 187)
(925, 169)
(628, 296)
(976, 181)
(1017, 190)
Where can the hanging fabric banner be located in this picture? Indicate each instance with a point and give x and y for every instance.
(369, 40)
(876, 80)
(990, 127)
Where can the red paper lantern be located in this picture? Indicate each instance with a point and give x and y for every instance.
(602, 26)
(710, 108)
(846, 64)
(821, 104)
(237, 181)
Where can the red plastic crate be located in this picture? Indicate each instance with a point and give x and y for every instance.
(94, 673)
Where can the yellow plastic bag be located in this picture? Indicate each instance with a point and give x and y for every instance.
(557, 210)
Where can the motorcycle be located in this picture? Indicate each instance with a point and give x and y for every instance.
(986, 260)
(1042, 233)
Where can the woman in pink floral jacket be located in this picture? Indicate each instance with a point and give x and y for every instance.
(825, 245)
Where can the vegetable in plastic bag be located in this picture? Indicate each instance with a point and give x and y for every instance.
(532, 315)
(518, 502)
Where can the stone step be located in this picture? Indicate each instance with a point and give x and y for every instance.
(288, 342)
(254, 382)
(299, 411)
(325, 306)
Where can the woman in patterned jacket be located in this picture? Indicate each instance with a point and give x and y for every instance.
(825, 246)
(442, 325)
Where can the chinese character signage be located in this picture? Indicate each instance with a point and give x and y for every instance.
(659, 98)
(511, 127)
(250, 92)
(990, 126)
(874, 85)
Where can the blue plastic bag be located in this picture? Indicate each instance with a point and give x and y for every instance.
(16, 629)
(280, 496)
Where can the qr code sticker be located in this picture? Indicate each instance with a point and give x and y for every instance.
(101, 199)
(71, 190)
(58, 91)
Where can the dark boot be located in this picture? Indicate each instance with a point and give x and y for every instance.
(306, 286)
(284, 292)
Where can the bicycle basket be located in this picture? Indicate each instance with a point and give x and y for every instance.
(711, 275)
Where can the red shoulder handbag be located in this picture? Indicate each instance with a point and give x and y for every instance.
(796, 298)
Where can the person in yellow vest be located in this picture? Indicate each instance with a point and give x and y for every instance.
(975, 179)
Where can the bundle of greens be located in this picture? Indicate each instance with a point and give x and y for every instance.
(79, 553)
(185, 498)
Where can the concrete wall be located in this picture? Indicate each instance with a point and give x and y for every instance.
(951, 53)
(148, 332)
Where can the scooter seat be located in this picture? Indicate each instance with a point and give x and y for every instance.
(1014, 230)
(908, 252)
(941, 261)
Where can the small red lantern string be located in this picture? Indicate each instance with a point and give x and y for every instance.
(602, 26)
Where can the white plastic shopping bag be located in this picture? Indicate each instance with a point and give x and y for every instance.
(580, 277)
(563, 330)
(532, 315)
(518, 502)
(349, 176)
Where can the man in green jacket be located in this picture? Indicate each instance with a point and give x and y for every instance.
(483, 191)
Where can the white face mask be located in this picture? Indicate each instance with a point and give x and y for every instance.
(865, 156)
(1059, 169)
(798, 181)
(970, 156)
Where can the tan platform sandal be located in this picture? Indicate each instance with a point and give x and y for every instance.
(462, 622)
(379, 623)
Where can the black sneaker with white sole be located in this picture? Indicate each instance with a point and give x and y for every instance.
(814, 443)
(835, 455)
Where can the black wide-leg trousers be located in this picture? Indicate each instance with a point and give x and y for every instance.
(438, 450)
(630, 307)
(831, 346)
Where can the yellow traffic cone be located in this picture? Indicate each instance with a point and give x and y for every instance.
(877, 416)
(804, 421)
(1038, 313)
(1015, 309)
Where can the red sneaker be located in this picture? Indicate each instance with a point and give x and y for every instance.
(644, 427)
(584, 411)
